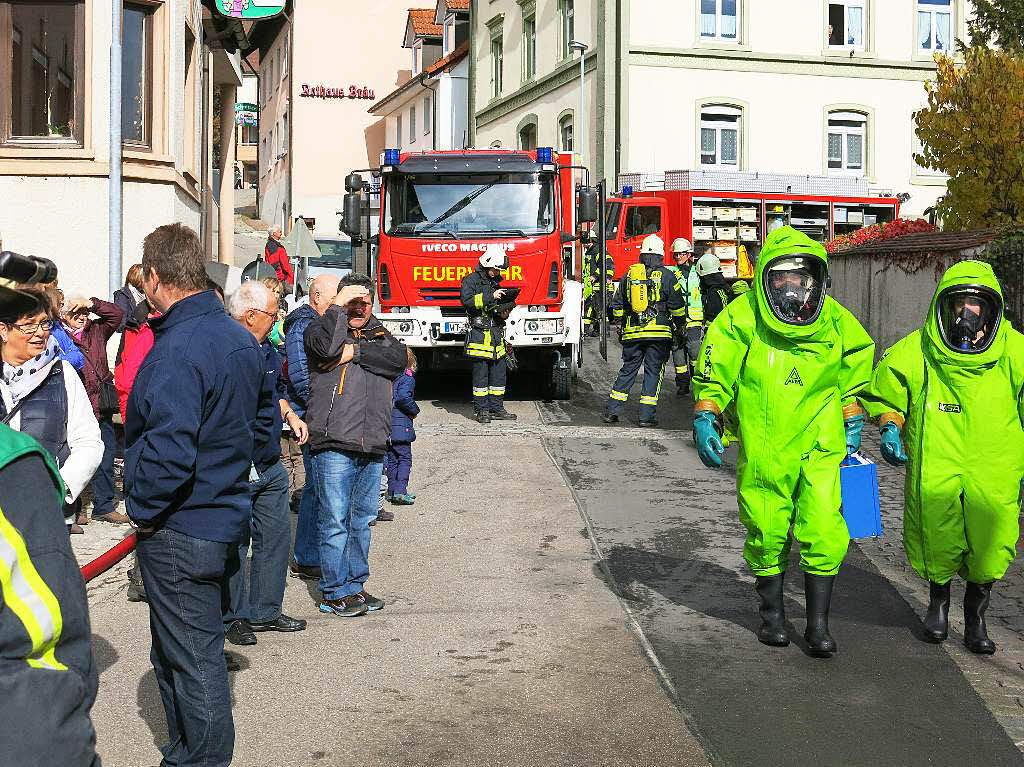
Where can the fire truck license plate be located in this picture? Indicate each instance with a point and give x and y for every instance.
(455, 328)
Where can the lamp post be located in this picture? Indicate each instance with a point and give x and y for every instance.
(581, 121)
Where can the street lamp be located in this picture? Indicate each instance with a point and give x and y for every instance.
(581, 121)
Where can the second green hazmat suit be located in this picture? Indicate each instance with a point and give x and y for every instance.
(795, 379)
(959, 403)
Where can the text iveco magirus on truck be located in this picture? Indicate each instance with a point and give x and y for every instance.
(440, 210)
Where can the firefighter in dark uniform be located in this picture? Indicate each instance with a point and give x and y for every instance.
(714, 290)
(647, 302)
(592, 276)
(487, 304)
(46, 661)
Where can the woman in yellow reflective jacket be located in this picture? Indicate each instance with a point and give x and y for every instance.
(955, 389)
(793, 359)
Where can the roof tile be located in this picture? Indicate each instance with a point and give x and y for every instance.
(423, 22)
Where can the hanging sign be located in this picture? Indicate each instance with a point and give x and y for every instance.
(249, 9)
(246, 113)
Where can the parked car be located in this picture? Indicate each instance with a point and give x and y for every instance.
(335, 257)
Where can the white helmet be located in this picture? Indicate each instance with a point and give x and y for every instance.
(653, 244)
(681, 245)
(494, 257)
(708, 264)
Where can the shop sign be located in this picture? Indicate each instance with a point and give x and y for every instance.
(249, 9)
(246, 114)
(331, 92)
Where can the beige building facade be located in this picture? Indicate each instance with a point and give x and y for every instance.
(317, 80)
(54, 129)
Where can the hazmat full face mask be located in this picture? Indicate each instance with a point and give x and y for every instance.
(795, 288)
(969, 317)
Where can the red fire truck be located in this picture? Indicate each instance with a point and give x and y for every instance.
(730, 213)
(439, 210)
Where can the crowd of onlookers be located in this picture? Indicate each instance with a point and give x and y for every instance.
(234, 412)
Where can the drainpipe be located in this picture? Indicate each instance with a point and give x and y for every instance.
(115, 193)
(204, 156)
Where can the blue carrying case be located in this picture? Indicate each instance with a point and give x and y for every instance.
(858, 478)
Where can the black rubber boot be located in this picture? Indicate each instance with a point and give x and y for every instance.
(818, 590)
(975, 632)
(772, 612)
(682, 385)
(936, 621)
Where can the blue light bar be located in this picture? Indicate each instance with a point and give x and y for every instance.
(627, 190)
(544, 154)
(391, 156)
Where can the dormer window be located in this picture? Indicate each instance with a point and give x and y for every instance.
(449, 34)
(417, 57)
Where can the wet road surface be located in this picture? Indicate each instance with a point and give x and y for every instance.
(670, 542)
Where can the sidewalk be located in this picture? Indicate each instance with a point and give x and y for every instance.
(498, 645)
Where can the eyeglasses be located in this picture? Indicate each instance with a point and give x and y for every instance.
(263, 311)
(29, 328)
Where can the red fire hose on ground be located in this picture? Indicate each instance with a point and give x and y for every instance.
(108, 559)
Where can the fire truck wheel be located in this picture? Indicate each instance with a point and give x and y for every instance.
(561, 383)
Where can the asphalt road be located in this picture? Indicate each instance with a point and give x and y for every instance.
(670, 543)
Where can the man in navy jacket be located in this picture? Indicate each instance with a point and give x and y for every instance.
(197, 414)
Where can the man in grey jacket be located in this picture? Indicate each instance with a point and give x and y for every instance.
(352, 362)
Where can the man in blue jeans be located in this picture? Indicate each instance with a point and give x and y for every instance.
(254, 604)
(352, 361)
(322, 291)
(197, 408)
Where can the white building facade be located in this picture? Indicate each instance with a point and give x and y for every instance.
(527, 74)
(809, 87)
(431, 109)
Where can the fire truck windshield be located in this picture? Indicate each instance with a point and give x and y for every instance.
(469, 206)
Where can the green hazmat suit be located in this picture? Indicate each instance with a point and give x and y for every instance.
(792, 385)
(961, 416)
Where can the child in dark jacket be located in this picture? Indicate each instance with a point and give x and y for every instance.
(398, 463)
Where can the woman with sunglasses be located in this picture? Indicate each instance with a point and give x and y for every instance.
(42, 395)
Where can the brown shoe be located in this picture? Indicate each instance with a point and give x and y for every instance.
(76, 529)
(82, 518)
(114, 518)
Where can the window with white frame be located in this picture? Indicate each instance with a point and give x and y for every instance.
(417, 56)
(567, 26)
(847, 143)
(428, 115)
(497, 64)
(412, 124)
(719, 20)
(565, 134)
(934, 25)
(284, 58)
(449, 34)
(529, 43)
(720, 136)
(847, 21)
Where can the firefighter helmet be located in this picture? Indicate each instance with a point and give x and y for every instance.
(708, 264)
(653, 244)
(494, 257)
(681, 245)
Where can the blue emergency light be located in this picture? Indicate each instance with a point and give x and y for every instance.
(544, 154)
(627, 190)
(391, 156)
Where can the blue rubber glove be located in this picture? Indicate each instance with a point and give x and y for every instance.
(892, 445)
(854, 426)
(709, 444)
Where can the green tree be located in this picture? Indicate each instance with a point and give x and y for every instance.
(973, 130)
(998, 21)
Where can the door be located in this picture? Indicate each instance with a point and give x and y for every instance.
(641, 219)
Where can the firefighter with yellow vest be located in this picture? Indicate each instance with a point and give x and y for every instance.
(647, 302)
(487, 304)
(690, 327)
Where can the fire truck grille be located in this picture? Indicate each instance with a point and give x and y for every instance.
(440, 294)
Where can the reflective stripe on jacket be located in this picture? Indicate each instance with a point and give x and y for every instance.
(666, 303)
(486, 336)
